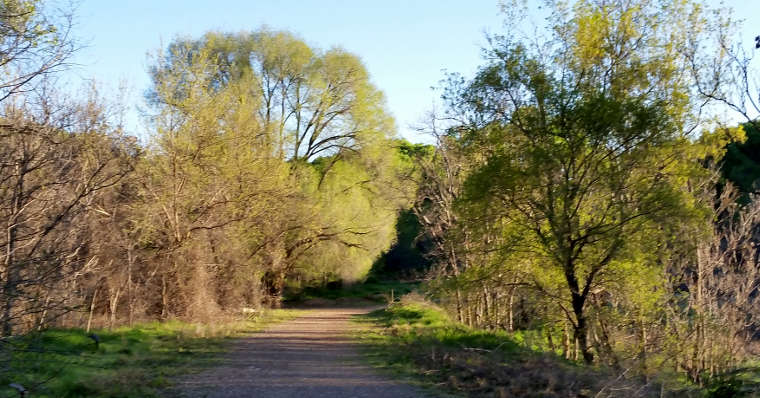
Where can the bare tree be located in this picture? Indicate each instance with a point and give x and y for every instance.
(35, 41)
(727, 75)
(53, 162)
(714, 312)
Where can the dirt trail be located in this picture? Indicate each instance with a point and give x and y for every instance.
(311, 356)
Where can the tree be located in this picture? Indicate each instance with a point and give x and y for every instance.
(317, 191)
(35, 42)
(726, 74)
(717, 265)
(441, 175)
(584, 140)
(212, 185)
(316, 103)
(55, 161)
(47, 170)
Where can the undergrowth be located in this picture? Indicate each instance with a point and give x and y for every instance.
(137, 361)
(416, 339)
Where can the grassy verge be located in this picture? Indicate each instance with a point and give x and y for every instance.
(136, 361)
(416, 339)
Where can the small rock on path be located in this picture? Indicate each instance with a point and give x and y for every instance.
(308, 357)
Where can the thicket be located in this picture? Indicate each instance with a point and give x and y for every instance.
(419, 339)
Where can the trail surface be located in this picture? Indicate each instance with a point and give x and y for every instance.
(310, 356)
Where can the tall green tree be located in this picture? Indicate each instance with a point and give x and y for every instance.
(313, 117)
(209, 180)
(316, 103)
(584, 137)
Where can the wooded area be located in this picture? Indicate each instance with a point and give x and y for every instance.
(269, 161)
(590, 182)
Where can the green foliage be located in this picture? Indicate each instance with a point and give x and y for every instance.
(313, 102)
(276, 158)
(580, 159)
(408, 253)
(567, 202)
(741, 163)
(34, 41)
(743, 382)
(412, 152)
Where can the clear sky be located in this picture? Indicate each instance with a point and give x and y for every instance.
(405, 44)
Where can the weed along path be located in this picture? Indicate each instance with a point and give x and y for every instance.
(310, 356)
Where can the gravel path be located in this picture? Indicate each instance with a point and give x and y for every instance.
(310, 356)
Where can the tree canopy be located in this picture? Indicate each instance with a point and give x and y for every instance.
(315, 103)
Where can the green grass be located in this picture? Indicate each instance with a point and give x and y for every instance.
(380, 291)
(421, 323)
(742, 382)
(411, 336)
(415, 339)
(137, 361)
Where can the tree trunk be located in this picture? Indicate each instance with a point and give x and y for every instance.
(565, 342)
(92, 309)
(487, 315)
(581, 328)
(9, 287)
(643, 353)
(41, 322)
(11, 268)
(496, 310)
(164, 298)
(113, 303)
(697, 354)
(510, 311)
(575, 348)
(460, 315)
(470, 314)
(130, 292)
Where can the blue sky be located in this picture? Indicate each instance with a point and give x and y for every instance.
(405, 44)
